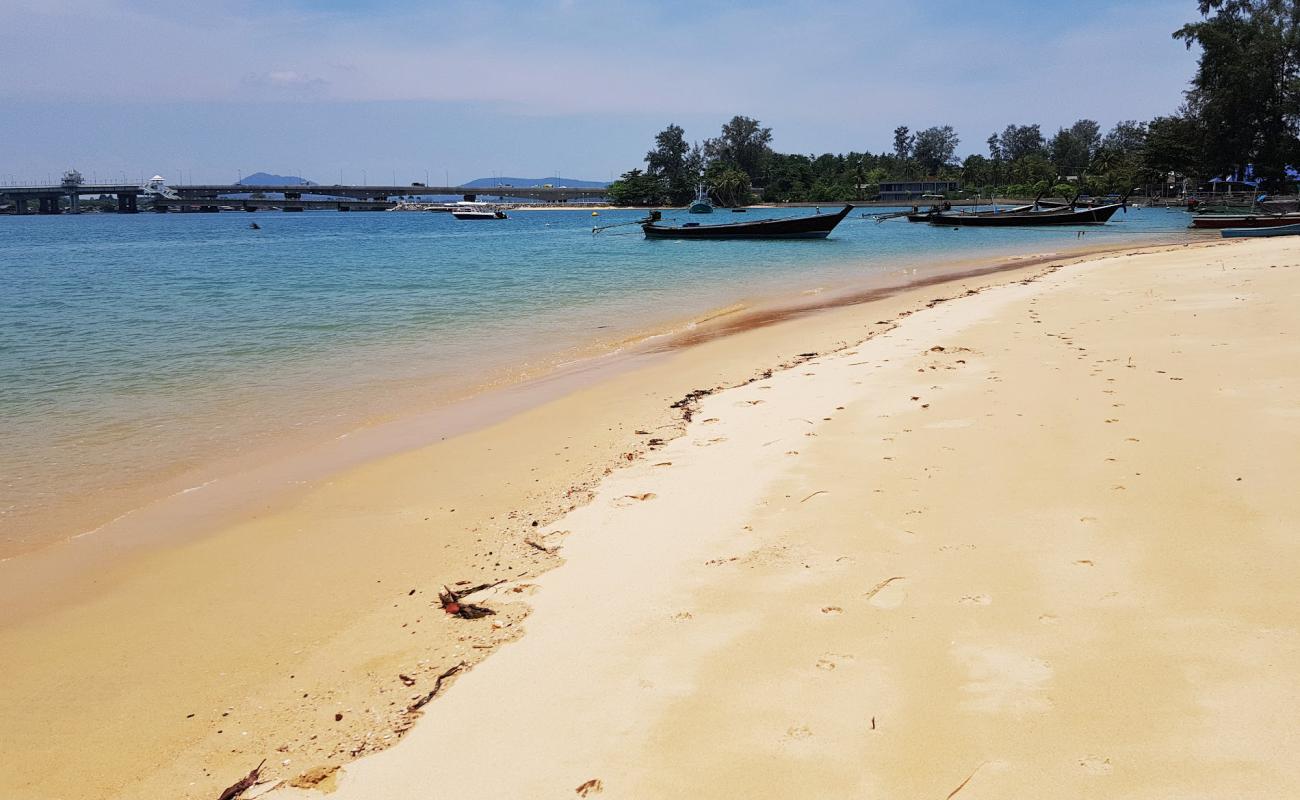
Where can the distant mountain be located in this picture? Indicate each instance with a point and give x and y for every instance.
(572, 183)
(267, 179)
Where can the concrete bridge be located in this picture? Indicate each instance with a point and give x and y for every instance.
(261, 203)
(209, 197)
(554, 194)
(49, 199)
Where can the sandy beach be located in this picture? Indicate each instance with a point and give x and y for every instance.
(1022, 533)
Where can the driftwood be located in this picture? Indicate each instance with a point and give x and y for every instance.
(237, 789)
(437, 686)
(471, 590)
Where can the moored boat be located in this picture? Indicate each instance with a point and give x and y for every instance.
(817, 226)
(1215, 221)
(1251, 233)
(701, 204)
(476, 211)
(1094, 215)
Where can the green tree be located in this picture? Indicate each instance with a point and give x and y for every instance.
(636, 188)
(977, 171)
(731, 186)
(744, 144)
(1018, 141)
(1173, 146)
(1246, 91)
(903, 143)
(670, 162)
(935, 147)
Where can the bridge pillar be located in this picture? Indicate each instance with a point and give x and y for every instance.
(470, 198)
(50, 205)
(74, 203)
(20, 205)
(126, 204)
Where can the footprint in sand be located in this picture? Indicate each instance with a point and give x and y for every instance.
(709, 442)
(832, 610)
(795, 732)
(1095, 765)
(829, 661)
(976, 600)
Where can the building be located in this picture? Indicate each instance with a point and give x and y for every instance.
(907, 191)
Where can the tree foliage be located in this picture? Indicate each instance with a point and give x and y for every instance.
(636, 188)
(1246, 91)
(935, 147)
(744, 145)
(903, 143)
(672, 163)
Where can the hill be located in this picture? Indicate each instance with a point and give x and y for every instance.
(267, 179)
(572, 183)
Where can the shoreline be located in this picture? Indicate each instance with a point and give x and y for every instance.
(1061, 505)
(405, 474)
(200, 500)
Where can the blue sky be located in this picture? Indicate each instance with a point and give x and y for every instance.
(404, 89)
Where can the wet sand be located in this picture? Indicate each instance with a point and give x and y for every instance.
(188, 665)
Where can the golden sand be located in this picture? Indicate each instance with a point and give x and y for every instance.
(1037, 540)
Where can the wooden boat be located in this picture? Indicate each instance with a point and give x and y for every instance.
(817, 226)
(701, 204)
(1216, 221)
(1095, 215)
(1249, 233)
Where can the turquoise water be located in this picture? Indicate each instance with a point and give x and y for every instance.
(135, 349)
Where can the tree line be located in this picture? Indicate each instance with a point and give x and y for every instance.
(1241, 111)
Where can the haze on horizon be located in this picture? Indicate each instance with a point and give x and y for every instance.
(406, 91)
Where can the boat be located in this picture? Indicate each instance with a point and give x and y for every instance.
(1094, 215)
(476, 211)
(1249, 233)
(1215, 221)
(817, 226)
(701, 204)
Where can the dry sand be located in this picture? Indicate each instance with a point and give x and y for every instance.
(1035, 543)
(1024, 561)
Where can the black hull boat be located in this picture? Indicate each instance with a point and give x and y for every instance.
(1096, 215)
(817, 226)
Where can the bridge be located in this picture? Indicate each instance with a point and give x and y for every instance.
(49, 199)
(210, 197)
(553, 194)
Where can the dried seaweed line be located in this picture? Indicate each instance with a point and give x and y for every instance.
(437, 686)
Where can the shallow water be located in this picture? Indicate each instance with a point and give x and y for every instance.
(136, 350)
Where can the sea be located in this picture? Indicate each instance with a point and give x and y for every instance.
(142, 355)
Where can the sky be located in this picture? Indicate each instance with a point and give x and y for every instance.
(412, 90)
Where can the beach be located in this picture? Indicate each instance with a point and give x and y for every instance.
(1025, 531)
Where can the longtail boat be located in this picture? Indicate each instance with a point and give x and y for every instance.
(1250, 233)
(1215, 221)
(817, 226)
(1094, 215)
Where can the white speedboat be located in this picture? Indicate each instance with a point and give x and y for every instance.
(477, 211)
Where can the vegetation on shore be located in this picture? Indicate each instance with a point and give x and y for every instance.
(1241, 110)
